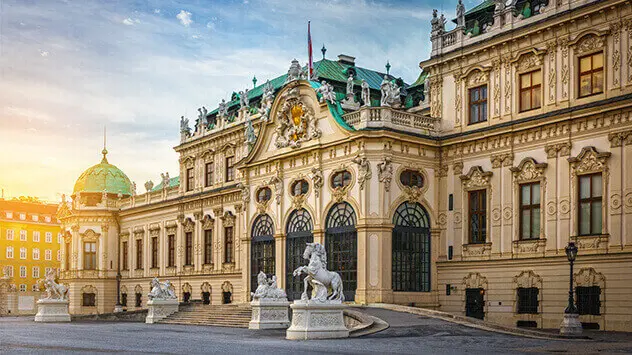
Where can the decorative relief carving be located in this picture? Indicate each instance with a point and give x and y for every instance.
(188, 225)
(589, 277)
(457, 219)
(496, 216)
(528, 170)
(477, 250)
(364, 170)
(442, 219)
(565, 208)
(615, 30)
(615, 203)
(563, 44)
(507, 85)
(317, 180)
(527, 279)
(551, 210)
(529, 246)
(458, 168)
(228, 219)
(592, 242)
(476, 177)
(552, 149)
(588, 43)
(412, 193)
(618, 138)
(475, 280)
(588, 161)
(628, 28)
(503, 159)
(296, 123)
(208, 222)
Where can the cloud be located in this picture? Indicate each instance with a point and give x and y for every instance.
(185, 18)
(44, 53)
(156, 11)
(128, 21)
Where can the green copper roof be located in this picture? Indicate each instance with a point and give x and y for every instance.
(103, 177)
(173, 182)
(420, 80)
(336, 110)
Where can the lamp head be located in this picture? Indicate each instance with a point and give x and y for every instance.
(571, 251)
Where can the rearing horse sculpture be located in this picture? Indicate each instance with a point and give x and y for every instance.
(321, 280)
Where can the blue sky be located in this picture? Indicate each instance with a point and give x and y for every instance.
(67, 68)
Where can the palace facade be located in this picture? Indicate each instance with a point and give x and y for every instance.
(457, 192)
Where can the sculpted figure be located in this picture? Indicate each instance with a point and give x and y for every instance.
(350, 85)
(185, 131)
(364, 170)
(134, 188)
(266, 101)
(249, 132)
(161, 290)
(267, 288)
(54, 291)
(366, 93)
(245, 192)
(326, 285)
(327, 92)
(390, 93)
(295, 72)
(385, 172)
(242, 100)
(223, 109)
(460, 14)
(317, 180)
(149, 185)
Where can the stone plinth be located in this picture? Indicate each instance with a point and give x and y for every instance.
(159, 309)
(269, 313)
(315, 320)
(571, 326)
(49, 310)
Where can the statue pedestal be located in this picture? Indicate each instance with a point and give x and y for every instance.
(159, 309)
(49, 310)
(269, 313)
(571, 325)
(315, 320)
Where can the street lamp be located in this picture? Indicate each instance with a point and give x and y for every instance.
(571, 324)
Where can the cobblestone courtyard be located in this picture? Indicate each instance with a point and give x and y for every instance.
(407, 334)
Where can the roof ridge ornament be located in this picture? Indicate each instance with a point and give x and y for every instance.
(104, 151)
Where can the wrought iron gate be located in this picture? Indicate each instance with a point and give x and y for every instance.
(411, 248)
(262, 249)
(341, 242)
(299, 231)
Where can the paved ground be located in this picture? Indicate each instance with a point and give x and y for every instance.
(407, 334)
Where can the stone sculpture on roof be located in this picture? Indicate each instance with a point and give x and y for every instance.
(249, 132)
(366, 93)
(185, 130)
(295, 72)
(266, 100)
(327, 92)
(460, 14)
(222, 111)
(149, 185)
(390, 93)
(350, 85)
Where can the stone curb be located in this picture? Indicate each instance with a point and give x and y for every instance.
(474, 323)
(368, 324)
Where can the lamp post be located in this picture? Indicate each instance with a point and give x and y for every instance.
(571, 324)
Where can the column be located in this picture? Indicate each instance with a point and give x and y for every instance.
(550, 200)
(197, 242)
(218, 240)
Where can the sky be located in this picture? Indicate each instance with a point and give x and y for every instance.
(70, 67)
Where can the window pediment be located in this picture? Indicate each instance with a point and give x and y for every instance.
(476, 177)
(589, 41)
(187, 161)
(528, 170)
(589, 160)
(90, 235)
(528, 279)
(475, 76)
(188, 225)
(528, 59)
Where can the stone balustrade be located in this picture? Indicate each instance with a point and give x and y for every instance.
(387, 117)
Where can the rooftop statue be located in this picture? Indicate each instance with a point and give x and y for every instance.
(165, 180)
(249, 132)
(54, 291)
(295, 72)
(366, 93)
(350, 85)
(499, 5)
(267, 288)
(149, 185)
(185, 131)
(460, 14)
(223, 109)
(134, 188)
(318, 277)
(161, 290)
(266, 100)
(390, 93)
(327, 92)
(437, 23)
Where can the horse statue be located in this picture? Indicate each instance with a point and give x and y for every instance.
(54, 291)
(321, 280)
(161, 290)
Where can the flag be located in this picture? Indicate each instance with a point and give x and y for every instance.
(310, 63)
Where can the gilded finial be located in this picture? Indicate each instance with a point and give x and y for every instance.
(104, 151)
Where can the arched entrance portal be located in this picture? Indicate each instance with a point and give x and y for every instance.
(299, 231)
(411, 248)
(262, 249)
(341, 242)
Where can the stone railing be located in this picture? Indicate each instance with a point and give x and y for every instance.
(86, 274)
(386, 117)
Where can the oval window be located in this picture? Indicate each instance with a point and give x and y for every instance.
(341, 179)
(264, 194)
(411, 178)
(300, 188)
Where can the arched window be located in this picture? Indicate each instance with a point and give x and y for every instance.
(341, 242)
(262, 249)
(411, 178)
(341, 179)
(264, 194)
(411, 248)
(299, 231)
(300, 187)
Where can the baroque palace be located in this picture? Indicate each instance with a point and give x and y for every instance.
(457, 192)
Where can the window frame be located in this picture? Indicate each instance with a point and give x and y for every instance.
(479, 104)
(139, 254)
(591, 72)
(90, 256)
(590, 200)
(208, 246)
(228, 244)
(304, 187)
(266, 197)
(532, 306)
(125, 256)
(590, 309)
(190, 179)
(209, 171)
(530, 89)
(88, 299)
(171, 250)
(154, 252)
(345, 176)
(479, 213)
(530, 207)
(230, 169)
(188, 249)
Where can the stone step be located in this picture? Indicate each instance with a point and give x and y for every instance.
(236, 316)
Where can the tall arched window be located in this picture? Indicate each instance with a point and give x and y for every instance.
(341, 242)
(411, 248)
(299, 231)
(262, 249)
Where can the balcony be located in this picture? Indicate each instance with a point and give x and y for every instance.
(389, 118)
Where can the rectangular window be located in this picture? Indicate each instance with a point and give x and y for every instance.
(188, 248)
(35, 287)
(48, 254)
(139, 253)
(23, 253)
(171, 252)
(23, 235)
(528, 300)
(9, 252)
(208, 180)
(23, 272)
(10, 270)
(9, 234)
(124, 299)
(36, 236)
(228, 244)
(89, 255)
(47, 219)
(590, 203)
(125, 253)
(591, 75)
(208, 246)
(530, 211)
(154, 252)
(478, 104)
(530, 91)
(587, 299)
(47, 270)
(88, 299)
(478, 216)
(36, 272)
(59, 255)
(139, 299)
(230, 169)
(190, 177)
(22, 288)
(36, 254)
(49, 237)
